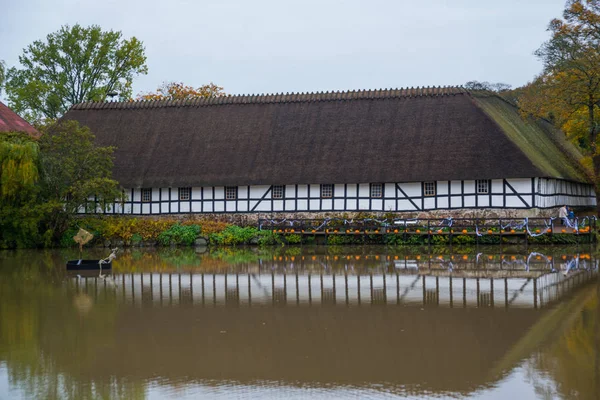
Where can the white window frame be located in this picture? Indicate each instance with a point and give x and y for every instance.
(146, 195)
(231, 192)
(482, 186)
(185, 193)
(377, 190)
(278, 191)
(429, 189)
(327, 190)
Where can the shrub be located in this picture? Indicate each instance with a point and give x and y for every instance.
(179, 234)
(293, 239)
(268, 238)
(209, 226)
(234, 235)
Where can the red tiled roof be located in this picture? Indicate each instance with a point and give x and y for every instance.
(11, 122)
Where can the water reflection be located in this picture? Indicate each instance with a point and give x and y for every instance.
(332, 322)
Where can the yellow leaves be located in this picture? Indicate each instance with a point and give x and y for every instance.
(18, 165)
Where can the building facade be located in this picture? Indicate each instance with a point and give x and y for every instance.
(396, 150)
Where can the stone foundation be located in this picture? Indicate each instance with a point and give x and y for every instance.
(252, 218)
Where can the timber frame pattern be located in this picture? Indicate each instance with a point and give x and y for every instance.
(526, 193)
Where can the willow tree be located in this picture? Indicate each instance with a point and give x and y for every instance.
(19, 178)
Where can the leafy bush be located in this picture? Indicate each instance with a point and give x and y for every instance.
(179, 234)
(210, 226)
(234, 235)
(268, 238)
(293, 239)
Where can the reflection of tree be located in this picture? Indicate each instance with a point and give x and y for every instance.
(49, 347)
(568, 366)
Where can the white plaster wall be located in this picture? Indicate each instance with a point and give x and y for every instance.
(411, 189)
(442, 188)
(202, 198)
(352, 190)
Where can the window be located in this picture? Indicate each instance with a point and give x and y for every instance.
(327, 190)
(185, 193)
(376, 190)
(482, 187)
(146, 195)
(278, 192)
(231, 192)
(429, 188)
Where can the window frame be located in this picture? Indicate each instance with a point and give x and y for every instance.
(375, 186)
(231, 192)
(275, 194)
(429, 191)
(148, 192)
(327, 187)
(479, 182)
(182, 193)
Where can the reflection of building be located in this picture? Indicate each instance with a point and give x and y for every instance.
(428, 287)
(380, 150)
(246, 331)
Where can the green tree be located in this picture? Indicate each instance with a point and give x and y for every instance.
(19, 176)
(44, 182)
(73, 65)
(73, 171)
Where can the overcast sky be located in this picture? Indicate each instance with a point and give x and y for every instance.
(266, 46)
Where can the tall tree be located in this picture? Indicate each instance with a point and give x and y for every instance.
(73, 169)
(45, 181)
(179, 91)
(568, 90)
(73, 65)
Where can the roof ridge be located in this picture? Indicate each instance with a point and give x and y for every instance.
(294, 97)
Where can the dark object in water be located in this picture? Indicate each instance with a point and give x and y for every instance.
(73, 265)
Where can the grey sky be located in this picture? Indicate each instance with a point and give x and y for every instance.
(265, 46)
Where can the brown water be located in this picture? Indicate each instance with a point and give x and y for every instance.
(315, 322)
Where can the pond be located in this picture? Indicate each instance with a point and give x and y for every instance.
(297, 322)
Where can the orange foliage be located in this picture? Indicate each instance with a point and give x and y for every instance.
(179, 91)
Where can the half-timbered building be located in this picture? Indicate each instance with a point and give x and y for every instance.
(378, 151)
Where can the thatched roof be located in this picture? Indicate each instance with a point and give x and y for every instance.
(11, 122)
(350, 137)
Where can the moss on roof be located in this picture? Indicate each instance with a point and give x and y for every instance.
(544, 145)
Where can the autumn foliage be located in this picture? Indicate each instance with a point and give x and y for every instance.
(567, 92)
(179, 91)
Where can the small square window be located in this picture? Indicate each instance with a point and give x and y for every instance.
(146, 195)
(231, 192)
(429, 188)
(327, 190)
(185, 193)
(482, 186)
(278, 192)
(376, 190)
